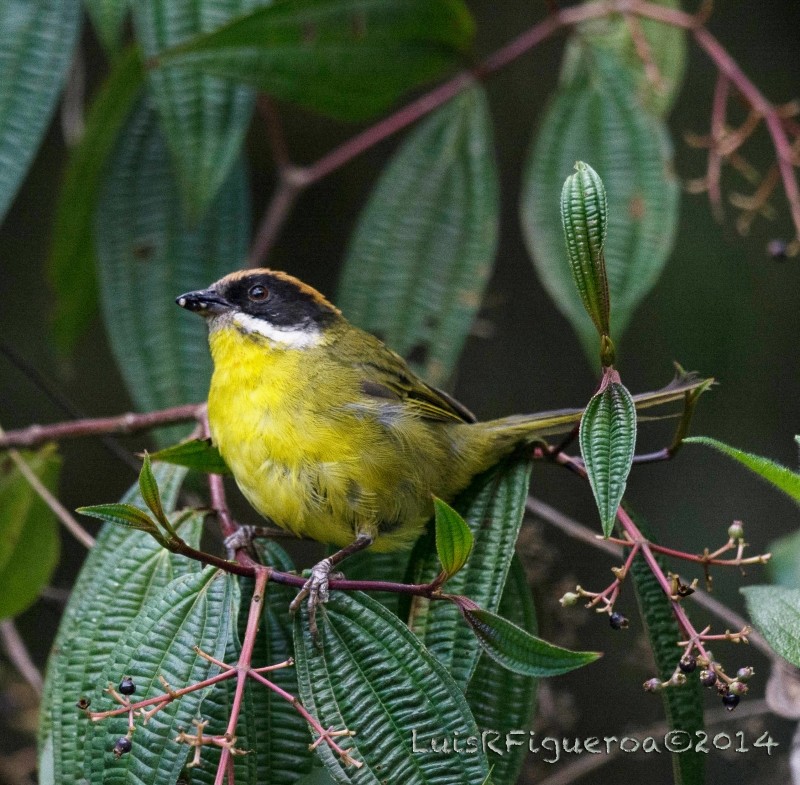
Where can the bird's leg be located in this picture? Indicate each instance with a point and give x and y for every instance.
(243, 537)
(316, 587)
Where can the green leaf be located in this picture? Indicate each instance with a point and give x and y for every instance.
(683, 706)
(349, 59)
(388, 566)
(521, 652)
(198, 454)
(596, 117)
(123, 515)
(37, 39)
(424, 247)
(97, 616)
(454, 538)
(775, 611)
(108, 17)
(666, 45)
(71, 266)
(148, 488)
(784, 566)
(194, 611)
(203, 118)
(493, 508)
(29, 538)
(608, 439)
(501, 700)
(371, 675)
(774, 473)
(584, 217)
(148, 254)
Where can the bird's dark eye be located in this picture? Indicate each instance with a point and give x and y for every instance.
(258, 293)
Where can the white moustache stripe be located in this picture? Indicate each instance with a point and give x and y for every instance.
(292, 338)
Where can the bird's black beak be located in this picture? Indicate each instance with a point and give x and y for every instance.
(206, 302)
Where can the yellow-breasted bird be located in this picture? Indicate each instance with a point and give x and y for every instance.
(328, 432)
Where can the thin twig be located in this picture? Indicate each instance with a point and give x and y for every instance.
(18, 655)
(718, 110)
(60, 511)
(131, 422)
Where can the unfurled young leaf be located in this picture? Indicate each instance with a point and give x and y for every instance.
(454, 539)
(124, 515)
(521, 652)
(774, 473)
(584, 217)
(608, 439)
(198, 454)
(148, 487)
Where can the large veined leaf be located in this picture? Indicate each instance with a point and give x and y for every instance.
(37, 38)
(501, 700)
(493, 508)
(195, 611)
(425, 243)
(775, 610)
(71, 267)
(96, 617)
(658, 74)
(595, 117)
(683, 705)
(107, 18)
(204, 118)
(371, 675)
(148, 254)
(347, 58)
(29, 538)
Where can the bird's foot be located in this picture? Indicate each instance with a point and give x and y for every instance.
(243, 538)
(317, 592)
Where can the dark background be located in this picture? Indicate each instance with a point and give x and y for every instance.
(722, 307)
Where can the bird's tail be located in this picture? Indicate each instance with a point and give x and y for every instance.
(528, 428)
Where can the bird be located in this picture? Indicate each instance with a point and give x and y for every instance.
(328, 433)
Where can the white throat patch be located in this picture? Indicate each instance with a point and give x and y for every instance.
(291, 338)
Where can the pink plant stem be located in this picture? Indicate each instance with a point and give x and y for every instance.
(242, 669)
(718, 110)
(95, 426)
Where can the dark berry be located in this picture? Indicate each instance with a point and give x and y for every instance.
(126, 686)
(708, 678)
(618, 621)
(777, 249)
(122, 746)
(687, 663)
(730, 701)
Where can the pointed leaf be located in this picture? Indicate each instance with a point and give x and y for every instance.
(194, 611)
(596, 117)
(148, 487)
(371, 675)
(584, 216)
(347, 58)
(429, 227)
(36, 44)
(774, 473)
(71, 266)
(454, 539)
(29, 538)
(501, 700)
(148, 254)
(657, 80)
(608, 439)
(97, 615)
(684, 706)
(521, 652)
(123, 515)
(108, 17)
(775, 611)
(198, 454)
(203, 118)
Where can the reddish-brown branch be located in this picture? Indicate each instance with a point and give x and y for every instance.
(132, 422)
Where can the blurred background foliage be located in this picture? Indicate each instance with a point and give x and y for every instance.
(722, 306)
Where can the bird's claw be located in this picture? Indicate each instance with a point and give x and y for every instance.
(317, 590)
